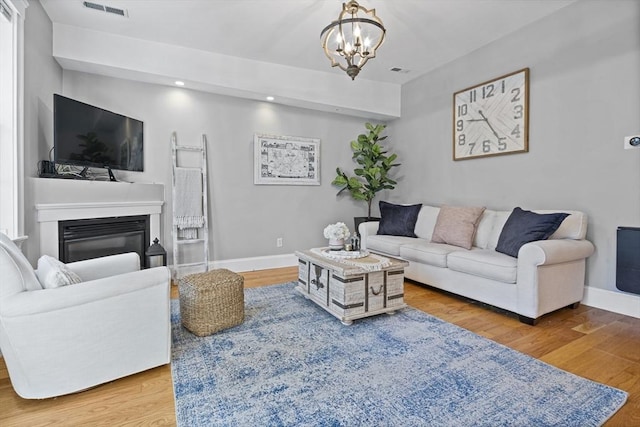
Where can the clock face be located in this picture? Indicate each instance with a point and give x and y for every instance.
(492, 118)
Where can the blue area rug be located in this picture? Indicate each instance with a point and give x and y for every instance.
(291, 363)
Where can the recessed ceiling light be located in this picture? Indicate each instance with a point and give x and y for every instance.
(270, 98)
(179, 83)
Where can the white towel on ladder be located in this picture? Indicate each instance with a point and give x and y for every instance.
(189, 213)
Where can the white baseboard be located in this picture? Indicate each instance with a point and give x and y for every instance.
(257, 263)
(618, 302)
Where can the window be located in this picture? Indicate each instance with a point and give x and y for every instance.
(11, 102)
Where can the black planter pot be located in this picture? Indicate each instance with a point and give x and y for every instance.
(360, 219)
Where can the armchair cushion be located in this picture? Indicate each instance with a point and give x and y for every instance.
(17, 273)
(54, 274)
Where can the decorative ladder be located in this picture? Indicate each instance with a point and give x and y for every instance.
(202, 234)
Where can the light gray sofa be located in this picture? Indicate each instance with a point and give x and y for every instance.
(546, 275)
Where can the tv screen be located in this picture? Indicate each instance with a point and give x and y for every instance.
(88, 136)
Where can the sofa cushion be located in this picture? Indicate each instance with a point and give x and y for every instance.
(54, 274)
(456, 225)
(526, 226)
(484, 229)
(426, 222)
(485, 263)
(499, 220)
(573, 227)
(387, 244)
(398, 220)
(425, 252)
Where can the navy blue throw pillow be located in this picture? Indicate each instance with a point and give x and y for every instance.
(526, 226)
(398, 220)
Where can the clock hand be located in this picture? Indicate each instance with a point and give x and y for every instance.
(489, 124)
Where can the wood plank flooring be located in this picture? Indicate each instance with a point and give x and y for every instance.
(589, 342)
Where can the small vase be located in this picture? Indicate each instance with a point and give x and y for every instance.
(336, 244)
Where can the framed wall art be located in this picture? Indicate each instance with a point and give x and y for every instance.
(286, 160)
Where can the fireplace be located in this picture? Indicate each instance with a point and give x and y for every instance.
(58, 200)
(92, 238)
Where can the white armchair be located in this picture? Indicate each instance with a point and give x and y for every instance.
(63, 340)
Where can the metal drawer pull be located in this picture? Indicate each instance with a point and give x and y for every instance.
(374, 292)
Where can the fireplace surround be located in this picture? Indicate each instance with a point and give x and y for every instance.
(59, 200)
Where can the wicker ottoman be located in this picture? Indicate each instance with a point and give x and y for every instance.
(211, 301)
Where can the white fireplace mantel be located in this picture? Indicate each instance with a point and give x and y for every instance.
(61, 200)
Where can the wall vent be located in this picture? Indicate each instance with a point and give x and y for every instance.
(103, 8)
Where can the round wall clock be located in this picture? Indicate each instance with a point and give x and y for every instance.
(492, 118)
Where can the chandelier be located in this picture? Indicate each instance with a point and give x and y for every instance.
(352, 39)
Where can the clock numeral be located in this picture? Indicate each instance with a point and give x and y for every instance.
(487, 91)
(501, 144)
(516, 94)
(460, 125)
(462, 110)
(486, 146)
(462, 139)
(471, 146)
(502, 85)
(517, 111)
(516, 131)
(472, 96)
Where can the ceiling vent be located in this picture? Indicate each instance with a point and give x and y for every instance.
(400, 70)
(103, 8)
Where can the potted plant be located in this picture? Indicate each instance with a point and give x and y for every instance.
(372, 174)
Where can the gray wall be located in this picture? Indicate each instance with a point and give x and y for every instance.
(584, 98)
(42, 78)
(246, 218)
(584, 63)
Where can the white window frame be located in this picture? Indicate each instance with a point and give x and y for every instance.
(12, 117)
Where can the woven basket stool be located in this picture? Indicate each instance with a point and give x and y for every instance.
(211, 301)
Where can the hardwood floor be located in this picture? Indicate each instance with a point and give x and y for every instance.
(589, 342)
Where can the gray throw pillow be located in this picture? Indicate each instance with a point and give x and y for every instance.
(525, 226)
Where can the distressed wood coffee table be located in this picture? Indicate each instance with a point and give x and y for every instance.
(351, 289)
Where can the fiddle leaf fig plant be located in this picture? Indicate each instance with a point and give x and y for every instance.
(372, 174)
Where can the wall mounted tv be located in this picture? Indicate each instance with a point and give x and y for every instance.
(89, 136)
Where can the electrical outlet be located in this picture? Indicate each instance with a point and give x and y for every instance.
(279, 242)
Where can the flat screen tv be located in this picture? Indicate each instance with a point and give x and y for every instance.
(89, 136)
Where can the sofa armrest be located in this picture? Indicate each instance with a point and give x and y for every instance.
(551, 275)
(97, 268)
(30, 303)
(367, 229)
(555, 251)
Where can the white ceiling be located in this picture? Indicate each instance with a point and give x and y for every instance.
(421, 34)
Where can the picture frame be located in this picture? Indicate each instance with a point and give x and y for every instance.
(286, 160)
